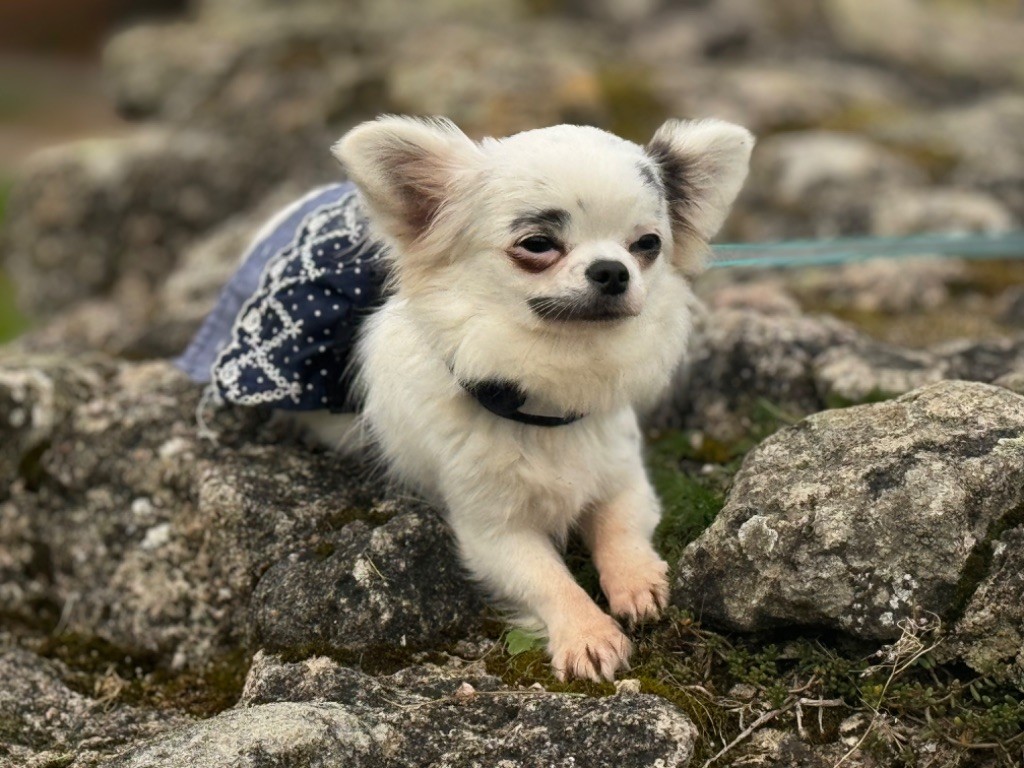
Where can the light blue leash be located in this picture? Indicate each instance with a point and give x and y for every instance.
(843, 250)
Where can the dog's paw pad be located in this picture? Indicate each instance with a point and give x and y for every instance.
(637, 592)
(592, 652)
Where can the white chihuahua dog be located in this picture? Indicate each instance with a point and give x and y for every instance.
(538, 296)
(552, 264)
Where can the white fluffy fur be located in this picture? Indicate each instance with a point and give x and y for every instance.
(444, 205)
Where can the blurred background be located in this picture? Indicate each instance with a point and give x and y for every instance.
(142, 141)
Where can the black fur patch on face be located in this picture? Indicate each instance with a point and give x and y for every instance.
(567, 309)
(650, 177)
(551, 221)
(674, 176)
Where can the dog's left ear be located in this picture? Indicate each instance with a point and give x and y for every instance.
(703, 164)
(406, 168)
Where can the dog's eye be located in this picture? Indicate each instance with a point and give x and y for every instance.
(647, 243)
(538, 244)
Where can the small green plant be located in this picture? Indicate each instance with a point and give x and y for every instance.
(519, 640)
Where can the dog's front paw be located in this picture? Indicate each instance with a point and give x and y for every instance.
(594, 649)
(637, 589)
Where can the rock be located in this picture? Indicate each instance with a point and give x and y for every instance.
(1013, 381)
(1009, 306)
(946, 40)
(141, 323)
(310, 71)
(369, 17)
(978, 147)
(985, 360)
(36, 395)
(90, 214)
(146, 536)
(191, 290)
(872, 371)
(776, 748)
(912, 211)
(110, 325)
(292, 66)
(778, 95)
(743, 365)
(319, 714)
(684, 34)
(496, 94)
(889, 286)
(800, 166)
(318, 678)
(820, 183)
(990, 635)
(861, 518)
(766, 296)
(44, 722)
(400, 584)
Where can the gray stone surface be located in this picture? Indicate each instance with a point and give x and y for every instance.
(985, 360)
(160, 321)
(978, 145)
(820, 184)
(857, 519)
(887, 286)
(933, 38)
(291, 65)
(398, 585)
(911, 211)
(869, 371)
(742, 362)
(136, 531)
(777, 93)
(88, 216)
(317, 714)
(43, 722)
(990, 634)
(36, 395)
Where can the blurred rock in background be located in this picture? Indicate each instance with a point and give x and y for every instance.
(872, 118)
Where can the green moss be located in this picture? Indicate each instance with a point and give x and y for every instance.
(337, 520)
(690, 498)
(324, 550)
(377, 660)
(90, 656)
(98, 668)
(203, 693)
(60, 761)
(525, 669)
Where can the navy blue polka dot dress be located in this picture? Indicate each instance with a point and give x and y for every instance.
(282, 332)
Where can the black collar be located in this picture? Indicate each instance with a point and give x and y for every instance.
(505, 398)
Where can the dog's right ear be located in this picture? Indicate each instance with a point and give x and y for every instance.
(406, 168)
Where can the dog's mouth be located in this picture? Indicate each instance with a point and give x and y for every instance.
(569, 310)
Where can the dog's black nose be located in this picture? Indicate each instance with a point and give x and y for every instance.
(610, 277)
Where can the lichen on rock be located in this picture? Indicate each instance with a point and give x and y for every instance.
(861, 518)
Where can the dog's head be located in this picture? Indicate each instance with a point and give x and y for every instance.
(556, 257)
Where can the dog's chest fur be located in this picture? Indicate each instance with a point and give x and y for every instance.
(437, 439)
